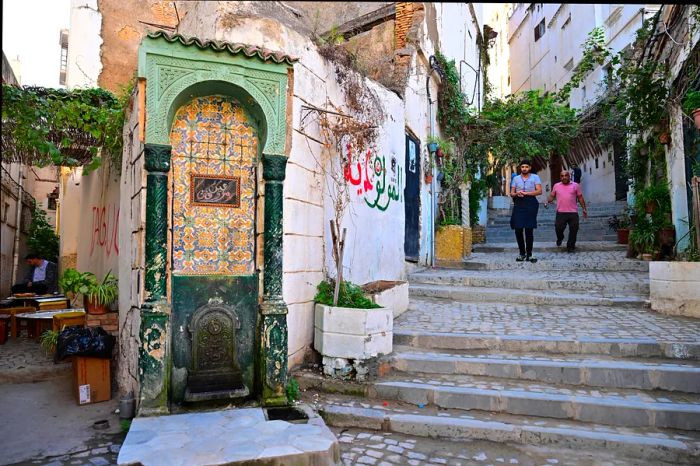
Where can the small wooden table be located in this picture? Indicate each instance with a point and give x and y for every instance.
(12, 313)
(37, 322)
(39, 302)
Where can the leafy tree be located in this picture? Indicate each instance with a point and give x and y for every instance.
(42, 238)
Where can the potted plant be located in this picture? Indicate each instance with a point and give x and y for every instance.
(100, 295)
(48, 340)
(655, 195)
(74, 283)
(643, 238)
(350, 332)
(691, 106)
(621, 225)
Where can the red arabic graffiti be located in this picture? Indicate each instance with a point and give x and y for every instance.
(105, 229)
(375, 178)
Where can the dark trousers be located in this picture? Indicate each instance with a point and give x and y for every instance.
(562, 220)
(525, 244)
(38, 288)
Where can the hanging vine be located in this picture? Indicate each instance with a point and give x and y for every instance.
(44, 126)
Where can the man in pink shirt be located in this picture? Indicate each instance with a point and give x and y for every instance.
(567, 193)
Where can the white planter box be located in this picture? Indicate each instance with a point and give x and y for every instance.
(674, 288)
(395, 297)
(341, 332)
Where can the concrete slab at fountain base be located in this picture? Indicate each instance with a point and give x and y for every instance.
(227, 437)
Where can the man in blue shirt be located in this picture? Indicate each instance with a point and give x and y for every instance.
(42, 277)
(524, 191)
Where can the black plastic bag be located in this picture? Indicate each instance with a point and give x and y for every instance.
(92, 342)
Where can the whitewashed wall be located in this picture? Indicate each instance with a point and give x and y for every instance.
(84, 42)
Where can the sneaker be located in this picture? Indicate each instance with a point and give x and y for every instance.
(531, 259)
(559, 242)
(520, 258)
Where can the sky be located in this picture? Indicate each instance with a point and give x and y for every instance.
(31, 30)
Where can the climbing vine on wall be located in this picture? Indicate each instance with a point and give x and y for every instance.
(44, 126)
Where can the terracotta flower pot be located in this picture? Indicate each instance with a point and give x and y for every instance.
(623, 236)
(664, 138)
(94, 308)
(696, 117)
(428, 179)
(650, 206)
(647, 257)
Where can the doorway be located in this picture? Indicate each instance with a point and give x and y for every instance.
(411, 244)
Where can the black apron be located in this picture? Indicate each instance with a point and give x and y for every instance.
(524, 212)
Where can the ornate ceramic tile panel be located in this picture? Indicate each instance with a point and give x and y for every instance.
(214, 144)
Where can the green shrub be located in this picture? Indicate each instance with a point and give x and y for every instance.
(691, 101)
(292, 390)
(42, 239)
(350, 295)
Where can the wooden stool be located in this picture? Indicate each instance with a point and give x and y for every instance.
(68, 319)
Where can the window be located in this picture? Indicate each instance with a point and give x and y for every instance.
(64, 56)
(567, 22)
(539, 30)
(569, 65)
(596, 163)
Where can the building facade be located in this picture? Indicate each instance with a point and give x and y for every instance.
(545, 48)
(267, 96)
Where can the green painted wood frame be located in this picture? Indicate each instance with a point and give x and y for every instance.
(176, 73)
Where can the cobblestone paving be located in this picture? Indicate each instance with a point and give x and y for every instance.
(383, 449)
(100, 452)
(592, 257)
(443, 316)
(23, 354)
(455, 276)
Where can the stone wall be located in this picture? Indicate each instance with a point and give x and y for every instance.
(131, 240)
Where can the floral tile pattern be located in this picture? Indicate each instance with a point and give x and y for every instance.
(214, 136)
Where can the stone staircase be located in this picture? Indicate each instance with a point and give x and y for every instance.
(594, 228)
(563, 353)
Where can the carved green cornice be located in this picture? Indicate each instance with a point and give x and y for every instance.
(274, 167)
(157, 158)
(157, 165)
(173, 69)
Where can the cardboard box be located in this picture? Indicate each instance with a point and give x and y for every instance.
(91, 380)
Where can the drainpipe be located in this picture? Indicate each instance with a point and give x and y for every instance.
(434, 66)
(18, 228)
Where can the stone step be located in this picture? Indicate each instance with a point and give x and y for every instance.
(674, 447)
(546, 235)
(549, 246)
(571, 370)
(617, 407)
(570, 345)
(557, 261)
(609, 284)
(522, 296)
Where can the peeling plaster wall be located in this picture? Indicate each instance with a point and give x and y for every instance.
(132, 226)
(374, 243)
(373, 238)
(123, 27)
